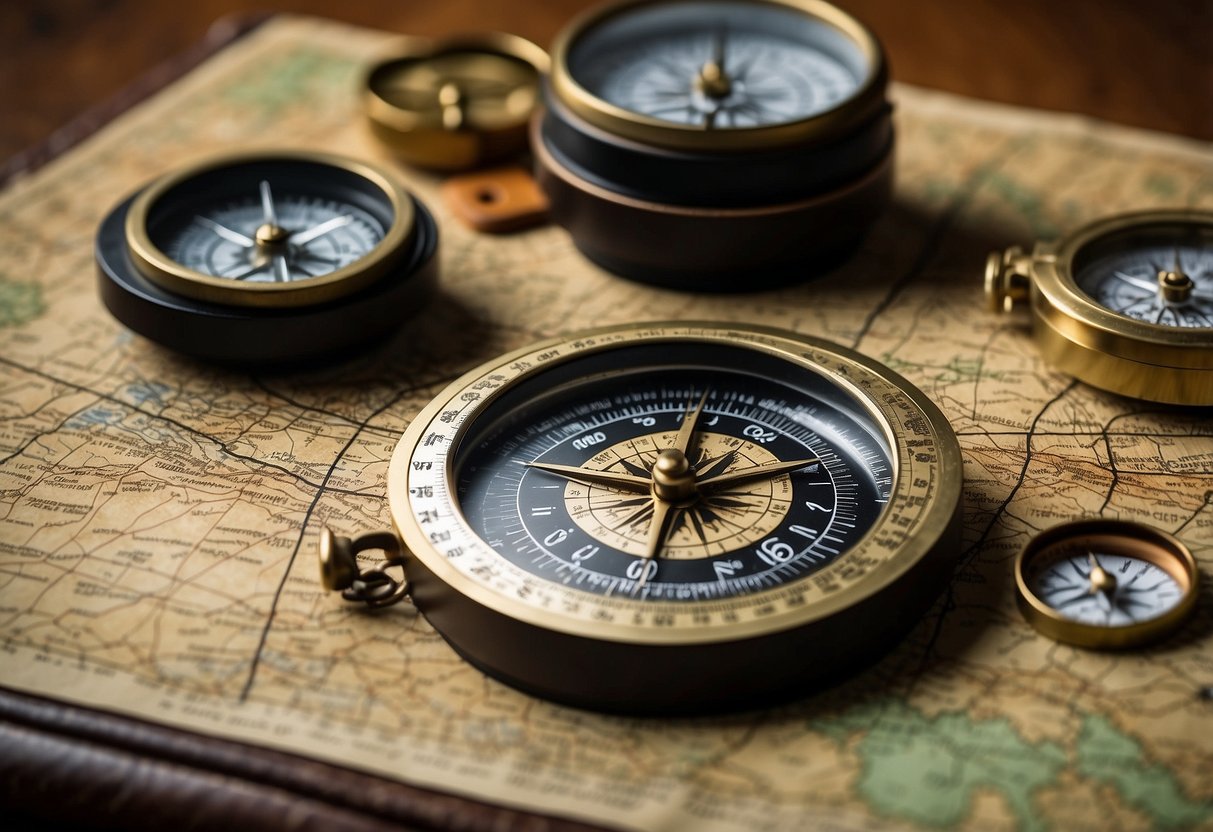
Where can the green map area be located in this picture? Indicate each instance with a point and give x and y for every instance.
(20, 303)
(928, 770)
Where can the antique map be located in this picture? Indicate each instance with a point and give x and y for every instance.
(158, 516)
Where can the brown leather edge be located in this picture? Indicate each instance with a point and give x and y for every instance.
(73, 764)
(223, 32)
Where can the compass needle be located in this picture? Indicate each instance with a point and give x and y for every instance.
(226, 233)
(772, 469)
(659, 527)
(628, 482)
(302, 238)
(690, 420)
(269, 214)
(282, 272)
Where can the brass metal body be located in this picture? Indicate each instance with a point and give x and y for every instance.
(866, 102)
(1095, 344)
(1116, 537)
(632, 654)
(162, 270)
(457, 103)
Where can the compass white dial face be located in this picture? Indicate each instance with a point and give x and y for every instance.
(1169, 285)
(1138, 590)
(718, 65)
(317, 236)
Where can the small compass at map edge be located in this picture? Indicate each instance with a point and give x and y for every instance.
(1106, 583)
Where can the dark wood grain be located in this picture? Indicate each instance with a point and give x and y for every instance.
(1142, 63)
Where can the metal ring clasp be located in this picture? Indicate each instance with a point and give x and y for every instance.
(339, 569)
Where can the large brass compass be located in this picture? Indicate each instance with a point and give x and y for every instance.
(667, 516)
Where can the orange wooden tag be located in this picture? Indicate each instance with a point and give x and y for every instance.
(496, 201)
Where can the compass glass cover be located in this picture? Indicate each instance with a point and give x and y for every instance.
(739, 537)
(1162, 275)
(718, 65)
(270, 222)
(1139, 589)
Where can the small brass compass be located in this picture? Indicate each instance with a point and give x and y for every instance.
(1106, 583)
(456, 103)
(1124, 304)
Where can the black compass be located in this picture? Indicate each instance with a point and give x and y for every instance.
(268, 257)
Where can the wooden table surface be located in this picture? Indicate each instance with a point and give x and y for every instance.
(1142, 63)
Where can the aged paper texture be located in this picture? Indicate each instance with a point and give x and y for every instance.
(158, 515)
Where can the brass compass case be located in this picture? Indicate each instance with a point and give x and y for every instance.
(762, 174)
(149, 257)
(1105, 347)
(1116, 554)
(456, 103)
(639, 645)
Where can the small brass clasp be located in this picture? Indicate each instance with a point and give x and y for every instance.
(339, 569)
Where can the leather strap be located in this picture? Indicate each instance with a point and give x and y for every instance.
(92, 769)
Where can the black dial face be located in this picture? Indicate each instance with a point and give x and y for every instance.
(786, 473)
(1160, 275)
(271, 221)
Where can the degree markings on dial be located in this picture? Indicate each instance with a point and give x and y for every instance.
(769, 414)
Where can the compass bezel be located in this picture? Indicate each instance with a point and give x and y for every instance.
(154, 264)
(922, 503)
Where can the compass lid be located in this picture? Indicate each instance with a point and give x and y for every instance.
(457, 103)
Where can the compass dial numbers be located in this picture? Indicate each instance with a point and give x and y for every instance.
(732, 537)
(320, 236)
(1169, 285)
